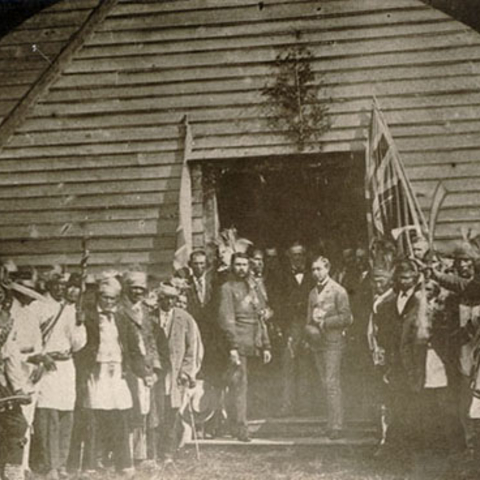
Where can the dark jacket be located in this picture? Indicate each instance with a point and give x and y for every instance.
(202, 312)
(405, 355)
(143, 326)
(294, 303)
(133, 360)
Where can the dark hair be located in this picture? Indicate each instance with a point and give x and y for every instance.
(436, 287)
(405, 266)
(256, 250)
(239, 255)
(322, 259)
(198, 253)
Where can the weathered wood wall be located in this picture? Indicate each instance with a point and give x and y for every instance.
(100, 153)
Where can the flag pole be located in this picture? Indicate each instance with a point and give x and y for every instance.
(184, 229)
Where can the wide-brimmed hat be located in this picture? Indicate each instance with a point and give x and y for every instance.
(167, 290)
(313, 334)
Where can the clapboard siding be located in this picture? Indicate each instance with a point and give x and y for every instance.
(277, 40)
(35, 164)
(17, 52)
(100, 154)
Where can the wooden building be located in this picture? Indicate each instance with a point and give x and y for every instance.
(93, 93)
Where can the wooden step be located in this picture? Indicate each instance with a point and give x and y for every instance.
(297, 431)
(305, 427)
(287, 442)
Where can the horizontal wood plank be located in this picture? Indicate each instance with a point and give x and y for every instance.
(71, 162)
(292, 24)
(74, 245)
(309, 38)
(68, 202)
(96, 229)
(67, 191)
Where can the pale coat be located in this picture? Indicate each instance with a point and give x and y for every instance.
(332, 305)
(182, 340)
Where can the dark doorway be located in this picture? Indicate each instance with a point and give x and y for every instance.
(279, 202)
(275, 202)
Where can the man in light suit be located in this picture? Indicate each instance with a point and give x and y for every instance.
(328, 317)
(177, 328)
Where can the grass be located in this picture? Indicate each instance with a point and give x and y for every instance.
(302, 463)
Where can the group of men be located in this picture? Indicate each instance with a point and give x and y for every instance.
(107, 366)
(424, 335)
(102, 371)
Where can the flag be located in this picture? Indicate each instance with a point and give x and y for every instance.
(183, 246)
(437, 201)
(392, 205)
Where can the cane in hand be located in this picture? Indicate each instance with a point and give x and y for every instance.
(194, 427)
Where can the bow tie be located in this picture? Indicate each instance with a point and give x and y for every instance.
(298, 272)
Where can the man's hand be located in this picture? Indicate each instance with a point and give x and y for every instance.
(184, 380)
(61, 356)
(36, 374)
(267, 314)
(235, 357)
(266, 356)
(49, 363)
(149, 381)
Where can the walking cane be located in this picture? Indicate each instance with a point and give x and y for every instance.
(80, 462)
(194, 428)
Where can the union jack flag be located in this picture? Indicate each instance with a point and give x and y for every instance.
(393, 209)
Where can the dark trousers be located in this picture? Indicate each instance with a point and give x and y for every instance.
(168, 430)
(328, 363)
(108, 432)
(420, 421)
(237, 394)
(465, 401)
(54, 430)
(79, 439)
(13, 428)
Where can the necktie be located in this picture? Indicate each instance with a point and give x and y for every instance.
(200, 289)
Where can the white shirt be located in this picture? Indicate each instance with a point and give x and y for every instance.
(299, 277)
(166, 321)
(26, 328)
(57, 388)
(109, 348)
(403, 298)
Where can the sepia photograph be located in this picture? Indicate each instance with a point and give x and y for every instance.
(239, 239)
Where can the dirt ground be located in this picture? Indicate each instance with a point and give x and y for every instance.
(300, 463)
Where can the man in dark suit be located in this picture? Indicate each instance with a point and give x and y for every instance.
(297, 283)
(329, 315)
(400, 333)
(200, 305)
